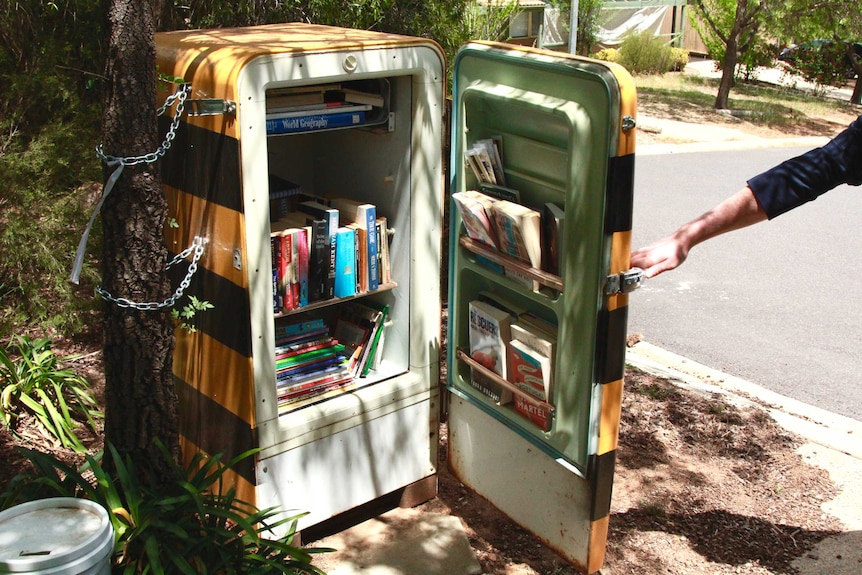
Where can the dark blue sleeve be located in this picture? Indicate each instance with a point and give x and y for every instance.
(801, 179)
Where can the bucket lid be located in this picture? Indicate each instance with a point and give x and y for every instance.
(50, 535)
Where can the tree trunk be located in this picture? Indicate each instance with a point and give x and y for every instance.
(728, 70)
(141, 403)
(856, 97)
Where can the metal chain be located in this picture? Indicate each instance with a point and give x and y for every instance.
(197, 248)
(183, 91)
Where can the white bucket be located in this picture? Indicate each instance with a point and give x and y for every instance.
(57, 536)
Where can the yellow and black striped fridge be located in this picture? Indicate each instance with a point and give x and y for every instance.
(283, 118)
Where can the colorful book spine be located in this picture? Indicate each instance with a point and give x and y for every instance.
(345, 262)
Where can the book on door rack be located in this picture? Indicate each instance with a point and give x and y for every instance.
(489, 332)
(532, 372)
(519, 230)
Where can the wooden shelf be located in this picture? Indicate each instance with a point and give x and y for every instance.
(465, 357)
(546, 279)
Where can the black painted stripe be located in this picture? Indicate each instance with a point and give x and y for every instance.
(204, 164)
(600, 471)
(611, 344)
(620, 194)
(214, 429)
(228, 322)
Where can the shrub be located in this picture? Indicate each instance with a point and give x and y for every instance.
(32, 382)
(678, 59)
(644, 53)
(185, 524)
(608, 54)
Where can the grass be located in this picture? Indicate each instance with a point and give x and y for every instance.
(684, 97)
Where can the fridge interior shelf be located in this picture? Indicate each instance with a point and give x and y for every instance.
(326, 303)
(549, 280)
(465, 357)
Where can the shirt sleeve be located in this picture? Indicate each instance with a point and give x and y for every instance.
(804, 178)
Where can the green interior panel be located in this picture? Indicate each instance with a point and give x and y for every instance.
(556, 118)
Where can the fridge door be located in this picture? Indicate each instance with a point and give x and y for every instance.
(564, 130)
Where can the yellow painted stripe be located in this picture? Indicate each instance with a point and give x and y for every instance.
(598, 544)
(217, 372)
(609, 424)
(223, 228)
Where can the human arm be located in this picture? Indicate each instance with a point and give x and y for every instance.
(738, 211)
(770, 194)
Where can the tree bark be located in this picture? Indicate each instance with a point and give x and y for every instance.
(728, 71)
(141, 402)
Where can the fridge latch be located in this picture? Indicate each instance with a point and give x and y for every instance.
(210, 107)
(624, 282)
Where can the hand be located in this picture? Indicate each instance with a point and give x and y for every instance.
(661, 256)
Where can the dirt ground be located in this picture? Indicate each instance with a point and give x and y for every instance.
(701, 488)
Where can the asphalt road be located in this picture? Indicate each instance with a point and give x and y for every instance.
(778, 303)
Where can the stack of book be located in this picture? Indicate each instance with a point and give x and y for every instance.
(360, 327)
(327, 249)
(310, 364)
(518, 346)
(319, 107)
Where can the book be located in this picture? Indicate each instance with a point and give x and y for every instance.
(285, 271)
(280, 192)
(323, 110)
(383, 235)
(298, 327)
(531, 371)
(345, 262)
(489, 332)
(275, 255)
(357, 326)
(372, 360)
(553, 226)
(296, 99)
(502, 302)
(476, 219)
(543, 342)
(307, 123)
(370, 98)
(280, 111)
(493, 148)
(519, 230)
(329, 392)
(303, 252)
(325, 227)
(365, 216)
(361, 257)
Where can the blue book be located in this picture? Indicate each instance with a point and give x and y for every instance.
(345, 262)
(365, 216)
(314, 122)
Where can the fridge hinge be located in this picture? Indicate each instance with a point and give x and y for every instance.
(210, 107)
(624, 282)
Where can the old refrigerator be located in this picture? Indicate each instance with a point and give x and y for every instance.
(565, 126)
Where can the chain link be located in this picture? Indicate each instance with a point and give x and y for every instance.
(197, 248)
(183, 91)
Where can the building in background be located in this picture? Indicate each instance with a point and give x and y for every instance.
(541, 24)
